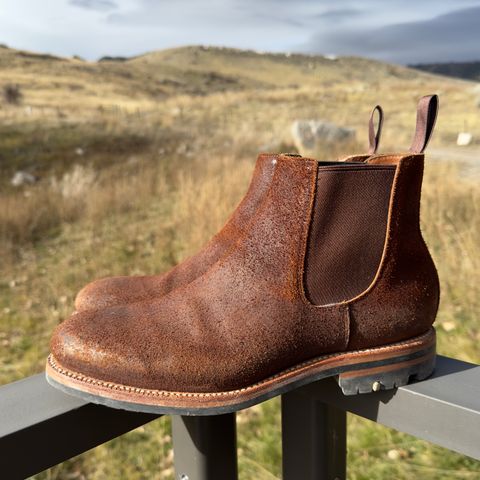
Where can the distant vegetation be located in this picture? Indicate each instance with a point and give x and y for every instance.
(137, 163)
(111, 59)
(466, 70)
(12, 94)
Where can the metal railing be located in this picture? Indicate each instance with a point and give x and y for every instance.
(40, 426)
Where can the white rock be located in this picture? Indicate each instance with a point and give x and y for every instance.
(464, 139)
(448, 326)
(393, 454)
(22, 178)
(309, 134)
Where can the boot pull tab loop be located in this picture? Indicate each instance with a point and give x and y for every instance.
(427, 110)
(374, 136)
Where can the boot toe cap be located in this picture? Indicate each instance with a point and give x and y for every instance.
(81, 344)
(107, 292)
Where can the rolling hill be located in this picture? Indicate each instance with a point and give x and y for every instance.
(198, 98)
(186, 70)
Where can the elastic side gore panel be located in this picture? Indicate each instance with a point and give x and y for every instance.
(347, 231)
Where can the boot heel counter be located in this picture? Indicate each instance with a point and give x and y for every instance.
(422, 287)
(402, 301)
(432, 284)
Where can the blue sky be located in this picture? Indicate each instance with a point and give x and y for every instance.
(401, 31)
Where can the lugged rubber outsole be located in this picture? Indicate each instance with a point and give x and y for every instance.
(360, 371)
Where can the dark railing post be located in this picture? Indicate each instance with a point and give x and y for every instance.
(313, 438)
(205, 448)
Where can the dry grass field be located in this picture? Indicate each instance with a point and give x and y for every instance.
(139, 162)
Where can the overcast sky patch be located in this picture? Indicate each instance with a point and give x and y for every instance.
(405, 31)
(340, 14)
(101, 5)
(454, 36)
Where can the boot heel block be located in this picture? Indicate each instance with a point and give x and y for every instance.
(388, 373)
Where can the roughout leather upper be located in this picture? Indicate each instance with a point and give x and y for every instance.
(127, 289)
(246, 317)
(118, 290)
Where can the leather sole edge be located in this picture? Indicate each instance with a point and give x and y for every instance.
(361, 371)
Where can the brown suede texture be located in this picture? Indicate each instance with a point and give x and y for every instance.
(126, 289)
(242, 320)
(246, 317)
(129, 289)
(405, 295)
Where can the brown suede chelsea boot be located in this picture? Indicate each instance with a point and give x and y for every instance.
(330, 277)
(125, 289)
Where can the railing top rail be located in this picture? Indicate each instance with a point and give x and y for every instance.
(444, 409)
(41, 426)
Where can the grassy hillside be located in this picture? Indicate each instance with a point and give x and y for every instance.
(140, 161)
(161, 98)
(190, 70)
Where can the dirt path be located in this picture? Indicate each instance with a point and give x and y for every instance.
(468, 157)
